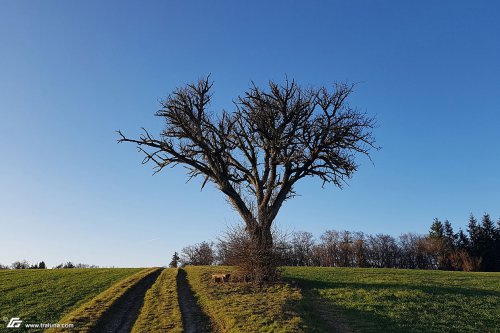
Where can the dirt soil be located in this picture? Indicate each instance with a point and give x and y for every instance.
(193, 318)
(121, 316)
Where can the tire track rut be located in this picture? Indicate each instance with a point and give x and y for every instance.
(121, 316)
(193, 318)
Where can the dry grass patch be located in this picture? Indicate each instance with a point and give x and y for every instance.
(244, 307)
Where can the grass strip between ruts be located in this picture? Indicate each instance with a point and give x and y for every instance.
(161, 311)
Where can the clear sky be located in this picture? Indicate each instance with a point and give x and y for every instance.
(73, 72)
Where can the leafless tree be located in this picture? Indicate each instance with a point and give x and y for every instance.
(23, 264)
(383, 251)
(407, 244)
(302, 248)
(345, 253)
(359, 250)
(330, 241)
(232, 246)
(256, 154)
(198, 254)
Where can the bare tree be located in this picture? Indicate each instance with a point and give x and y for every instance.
(23, 264)
(383, 251)
(198, 254)
(359, 250)
(302, 248)
(256, 154)
(408, 251)
(330, 241)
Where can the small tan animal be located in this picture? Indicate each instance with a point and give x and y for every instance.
(220, 277)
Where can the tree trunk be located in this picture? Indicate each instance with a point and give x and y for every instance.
(264, 261)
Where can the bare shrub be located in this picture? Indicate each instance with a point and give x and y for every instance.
(198, 254)
(236, 248)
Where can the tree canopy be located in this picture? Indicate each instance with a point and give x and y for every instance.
(258, 152)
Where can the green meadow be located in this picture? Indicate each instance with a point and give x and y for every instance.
(309, 299)
(396, 300)
(46, 295)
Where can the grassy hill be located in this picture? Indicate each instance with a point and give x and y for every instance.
(310, 299)
(43, 295)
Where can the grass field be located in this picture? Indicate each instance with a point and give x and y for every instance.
(314, 299)
(389, 300)
(46, 295)
(161, 312)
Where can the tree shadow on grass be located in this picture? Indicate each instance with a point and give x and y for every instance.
(469, 292)
(321, 314)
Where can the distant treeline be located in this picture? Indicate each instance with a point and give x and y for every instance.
(24, 264)
(476, 249)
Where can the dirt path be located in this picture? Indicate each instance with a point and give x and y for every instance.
(193, 318)
(121, 316)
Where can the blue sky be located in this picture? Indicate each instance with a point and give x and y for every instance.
(73, 72)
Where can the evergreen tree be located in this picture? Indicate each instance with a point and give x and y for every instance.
(474, 236)
(483, 243)
(487, 228)
(462, 240)
(487, 243)
(496, 249)
(41, 265)
(437, 229)
(449, 235)
(175, 260)
(436, 246)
